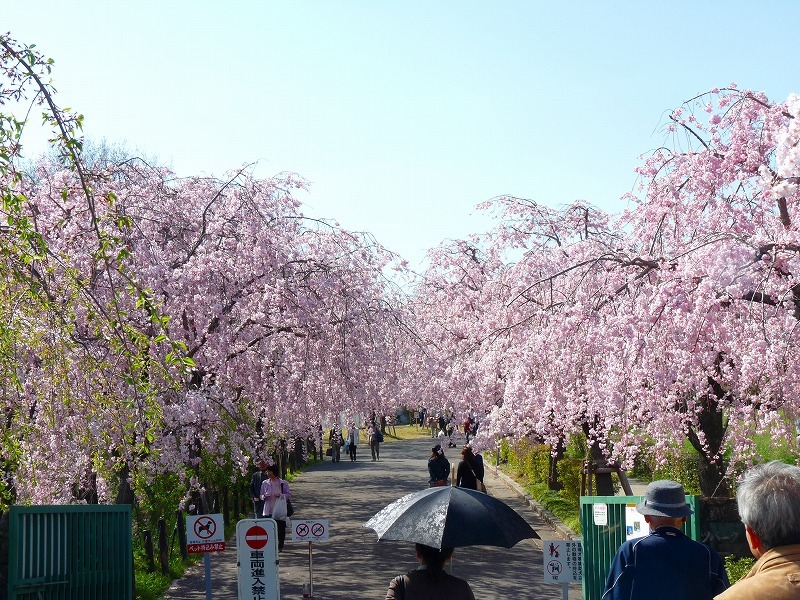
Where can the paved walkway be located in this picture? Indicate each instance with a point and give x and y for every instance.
(353, 565)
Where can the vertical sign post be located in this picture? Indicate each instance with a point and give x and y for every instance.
(562, 563)
(205, 534)
(310, 530)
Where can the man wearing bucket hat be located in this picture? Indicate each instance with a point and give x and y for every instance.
(665, 564)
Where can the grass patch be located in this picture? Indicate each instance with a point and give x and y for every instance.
(152, 586)
(406, 432)
(556, 503)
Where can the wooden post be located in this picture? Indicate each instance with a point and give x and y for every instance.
(163, 550)
(182, 534)
(148, 550)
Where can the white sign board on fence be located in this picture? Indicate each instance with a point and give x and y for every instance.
(562, 561)
(635, 525)
(313, 530)
(257, 556)
(205, 533)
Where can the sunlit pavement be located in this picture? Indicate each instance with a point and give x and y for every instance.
(353, 564)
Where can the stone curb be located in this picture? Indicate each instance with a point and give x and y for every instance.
(552, 520)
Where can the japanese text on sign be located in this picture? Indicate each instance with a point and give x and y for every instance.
(562, 561)
(200, 548)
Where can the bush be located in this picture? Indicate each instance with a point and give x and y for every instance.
(738, 567)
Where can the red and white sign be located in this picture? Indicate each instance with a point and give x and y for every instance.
(205, 533)
(310, 530)
(257, 554)
(256, 537)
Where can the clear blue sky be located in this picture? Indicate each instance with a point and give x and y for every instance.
(405, 115)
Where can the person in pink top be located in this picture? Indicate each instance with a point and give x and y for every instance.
(273, 488)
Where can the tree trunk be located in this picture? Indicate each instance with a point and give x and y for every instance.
(711, 423)
(604, 484)
(124, 493)
(552, 471)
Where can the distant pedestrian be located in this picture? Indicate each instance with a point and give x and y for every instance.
(665, 565)
(255, 488)
(429, 580)
(438, 467)
(375, 437)
(769, 506)
(335, 440)
(352, 442)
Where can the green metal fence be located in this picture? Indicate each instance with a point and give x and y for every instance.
(73, 551)
(600, 542)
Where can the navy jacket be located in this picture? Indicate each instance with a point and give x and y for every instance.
(665, 565)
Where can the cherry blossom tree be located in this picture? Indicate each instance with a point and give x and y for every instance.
(187, 319)
(676, 320)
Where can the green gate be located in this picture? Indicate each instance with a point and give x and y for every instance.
(72, 551)
(600, 542)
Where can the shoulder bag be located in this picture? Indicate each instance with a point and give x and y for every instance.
(481, 487)
(289, 507)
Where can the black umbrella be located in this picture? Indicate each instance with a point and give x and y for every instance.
(451, 517)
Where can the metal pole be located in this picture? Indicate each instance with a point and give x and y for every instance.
(564, 591)
(311, 569)
(207, 563)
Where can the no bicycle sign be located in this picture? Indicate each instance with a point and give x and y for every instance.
(315, 530)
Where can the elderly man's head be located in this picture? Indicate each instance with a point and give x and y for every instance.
(769, 506)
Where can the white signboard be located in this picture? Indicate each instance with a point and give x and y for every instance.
(600, 512)
(310, 530)
(635, 525)
(205, 533)
(562, 561)
(257, 557)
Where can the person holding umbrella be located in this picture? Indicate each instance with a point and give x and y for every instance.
(438, 467)
(429, 580)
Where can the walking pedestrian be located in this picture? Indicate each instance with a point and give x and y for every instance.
(255, 488)
(429, 580)
(469, 473)
(272, 489)
(438, 467)
(335, 440)
(375, 437)
(352, 441)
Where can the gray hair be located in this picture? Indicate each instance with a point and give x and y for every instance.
(769, 503)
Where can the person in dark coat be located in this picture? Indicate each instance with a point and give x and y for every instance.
(255, 488)
(469, 472)
(430, 580)
(438, 467)
(665, 565)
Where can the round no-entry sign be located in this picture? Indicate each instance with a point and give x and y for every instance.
(256, 537)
